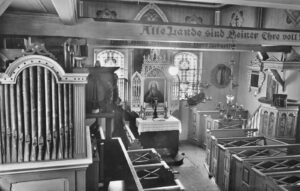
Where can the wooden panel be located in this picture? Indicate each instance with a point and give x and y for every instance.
(49, 185)
(79, 127)
(202, 126)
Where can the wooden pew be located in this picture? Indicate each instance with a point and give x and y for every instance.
(247, 153)
(158, 177)
(144, 156)
(276, 180)
(211, 135)
(222, 146)
(241, 165)
(118, 166)
(289, 187)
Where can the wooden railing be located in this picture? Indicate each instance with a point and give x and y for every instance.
(253, 120)
(133, 142)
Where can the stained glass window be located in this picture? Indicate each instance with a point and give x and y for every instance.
(189, 73)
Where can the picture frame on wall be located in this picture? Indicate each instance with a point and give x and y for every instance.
(154, 88)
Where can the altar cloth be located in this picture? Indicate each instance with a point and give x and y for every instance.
(158, 124)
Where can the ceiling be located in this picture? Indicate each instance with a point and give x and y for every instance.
(40, 6)
(67, 9)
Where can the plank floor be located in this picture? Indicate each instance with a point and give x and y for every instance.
(192, 173)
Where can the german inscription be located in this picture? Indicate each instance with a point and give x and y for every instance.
(211, 33)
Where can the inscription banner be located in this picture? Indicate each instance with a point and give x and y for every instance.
(133, 31)
(217, 34)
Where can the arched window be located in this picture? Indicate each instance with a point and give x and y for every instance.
(113, 58)
(189, 75)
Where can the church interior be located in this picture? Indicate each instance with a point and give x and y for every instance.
(149, 95)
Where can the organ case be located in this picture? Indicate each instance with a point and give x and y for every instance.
(42, 125)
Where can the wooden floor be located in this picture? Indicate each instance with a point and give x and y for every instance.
(192, 173)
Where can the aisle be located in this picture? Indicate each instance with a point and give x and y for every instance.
(192, 172)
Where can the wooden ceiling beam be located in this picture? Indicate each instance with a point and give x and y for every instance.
(167, 2)
(279, 4)
(67, 11)
(4, 5)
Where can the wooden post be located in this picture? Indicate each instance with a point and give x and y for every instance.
(40, 113)
(20, 121)
(48, 114)
(71, 121)
(60, 123)
(3, 128)
(8, 127)
(14, 141)
(54, 118)
(66, 124)
(26, 115)
(33, 115)
(109, 126)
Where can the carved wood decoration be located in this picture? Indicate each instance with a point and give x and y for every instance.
(237, 18)
(193, 19)
(37, 113)
(106, 14)
(151, 13)
(293, 16)
(38, 48)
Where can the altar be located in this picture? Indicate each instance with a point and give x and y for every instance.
(161, 134)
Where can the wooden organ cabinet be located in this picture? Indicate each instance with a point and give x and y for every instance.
(45, 144)
(278, 122)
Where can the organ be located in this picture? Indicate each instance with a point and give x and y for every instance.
(44, 140)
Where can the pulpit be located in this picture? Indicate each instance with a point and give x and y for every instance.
(160, 133)
(278, 122)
